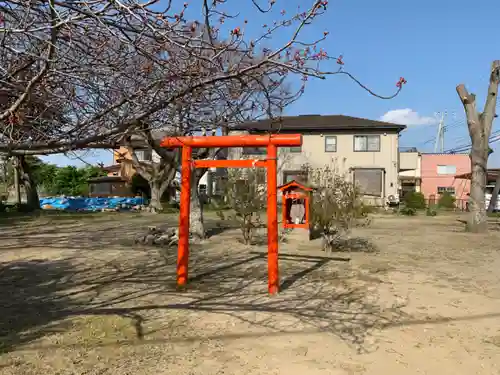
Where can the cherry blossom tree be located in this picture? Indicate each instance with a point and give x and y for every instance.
(78, 74)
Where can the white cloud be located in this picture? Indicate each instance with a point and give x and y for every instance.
(407, 116)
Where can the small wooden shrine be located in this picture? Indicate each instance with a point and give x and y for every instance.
(295, 204)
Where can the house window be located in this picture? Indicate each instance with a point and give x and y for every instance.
(363, 143)
(299, 176)
(144, 155)
(446, 189)
(254, 151)
(100, 188)
(297, 149)
(446, 169)
(369, 181)
(330, 144)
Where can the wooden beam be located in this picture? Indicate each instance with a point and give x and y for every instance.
(230, 163)
(280, 140)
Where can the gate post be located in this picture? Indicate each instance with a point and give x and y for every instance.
(272, 220)
(185, 204)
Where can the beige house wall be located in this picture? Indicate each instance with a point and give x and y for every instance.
(344, 159)
(410, 165)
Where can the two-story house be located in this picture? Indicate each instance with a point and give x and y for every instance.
(365, 151)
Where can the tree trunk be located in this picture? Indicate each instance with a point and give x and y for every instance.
(478, 221)
(26, 176)
(17, 181)
(494, 196)
(196, 222)
(210, 183)
(157, 190)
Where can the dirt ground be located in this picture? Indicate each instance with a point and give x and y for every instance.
(77, 297)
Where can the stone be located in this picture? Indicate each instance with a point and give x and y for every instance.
(158, 236)
(150, 239)
(140, 239)
(172, 231)
(165, 240)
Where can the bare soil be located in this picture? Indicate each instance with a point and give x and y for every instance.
(78, 297)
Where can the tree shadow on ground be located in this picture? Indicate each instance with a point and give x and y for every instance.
(88, 231)
(30, 303)
(318, 294)
(219, 228)
(39, 295)
(39, 298)
(10, 218)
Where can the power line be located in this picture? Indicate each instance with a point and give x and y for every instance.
(456, 123)
(495, 137)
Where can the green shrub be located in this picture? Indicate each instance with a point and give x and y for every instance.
(408, 211)
(414, 200)
(431, 212)
(446, 200)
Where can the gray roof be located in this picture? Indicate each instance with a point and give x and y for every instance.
(316, 123)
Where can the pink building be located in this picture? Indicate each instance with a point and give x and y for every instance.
(438, 175)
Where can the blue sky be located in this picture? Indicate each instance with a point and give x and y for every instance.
(433, 44)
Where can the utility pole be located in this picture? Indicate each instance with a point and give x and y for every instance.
(439, 143)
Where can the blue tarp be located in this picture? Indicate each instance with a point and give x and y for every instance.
(88, 204)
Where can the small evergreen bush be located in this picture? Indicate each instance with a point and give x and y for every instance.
(414, 200)
(446, 200)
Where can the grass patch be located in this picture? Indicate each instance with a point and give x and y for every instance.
(90, 331)
(94, 330)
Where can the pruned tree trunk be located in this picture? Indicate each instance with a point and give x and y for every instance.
(196, 222)
(494, 195)
(478, 222)
(480, 125)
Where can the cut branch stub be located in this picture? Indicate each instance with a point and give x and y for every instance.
(495, 71)
(465, 97)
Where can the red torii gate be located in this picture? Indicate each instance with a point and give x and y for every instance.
(271, 142)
